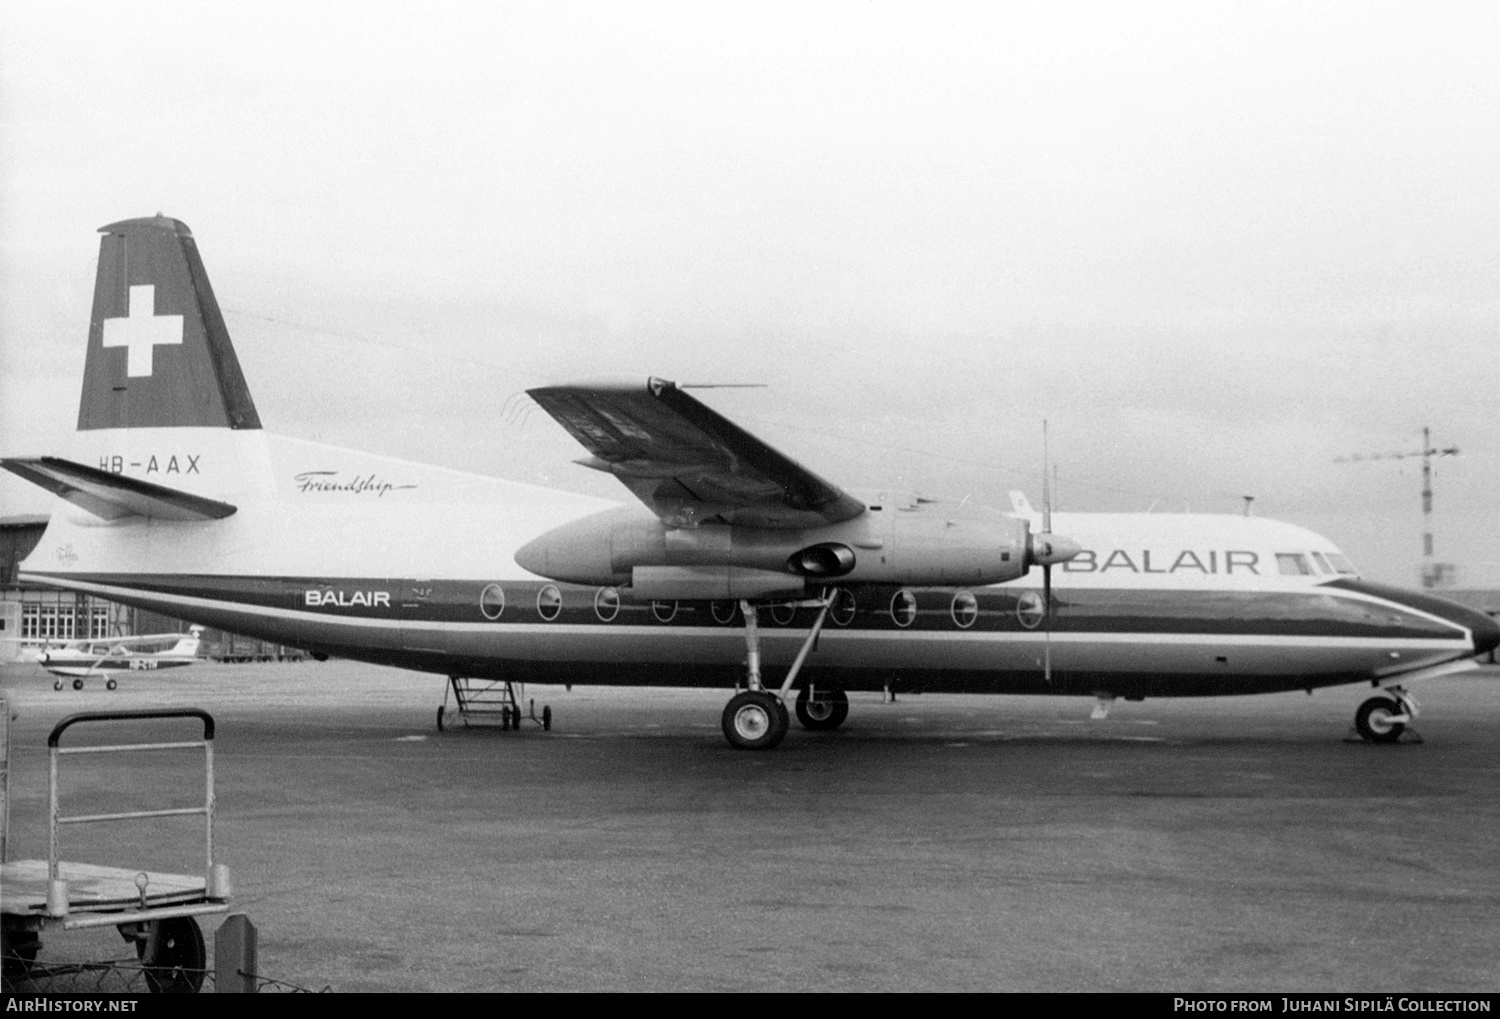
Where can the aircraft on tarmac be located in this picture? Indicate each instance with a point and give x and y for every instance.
(736, 566)
(110, 657)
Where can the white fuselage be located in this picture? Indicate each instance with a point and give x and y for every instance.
(370, 557)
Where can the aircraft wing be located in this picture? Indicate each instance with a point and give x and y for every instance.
(140, 638)
(687, 463)
(113, 496)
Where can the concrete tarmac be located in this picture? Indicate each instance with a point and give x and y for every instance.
(938, 843)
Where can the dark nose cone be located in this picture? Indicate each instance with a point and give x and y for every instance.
(1486, 634)
(1485, 630)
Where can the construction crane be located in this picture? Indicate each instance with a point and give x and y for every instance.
(1434, 574)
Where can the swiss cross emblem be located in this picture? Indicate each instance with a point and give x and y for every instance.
(141, 330)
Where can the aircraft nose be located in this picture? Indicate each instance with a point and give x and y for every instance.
(1486, 630)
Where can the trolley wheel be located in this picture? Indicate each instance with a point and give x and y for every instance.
(755, 720)
(57, 685)
(546, 718)
(178, 958)
(77, 684)
(440, 718)
(18, 949)
(826, 710)
(1373, 720)
(110, 684)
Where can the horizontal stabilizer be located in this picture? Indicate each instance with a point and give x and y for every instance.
(113, 496)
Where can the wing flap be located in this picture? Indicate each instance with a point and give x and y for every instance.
(113, 496)
(687, 462)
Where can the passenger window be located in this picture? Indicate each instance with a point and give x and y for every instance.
(965, 609)
(843, 608)
(904, 608)
(549, 602)
(492, 601)
(1293, 565)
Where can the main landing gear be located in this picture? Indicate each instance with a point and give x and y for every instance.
(1384, 719)
(757, 719)
(822, 710)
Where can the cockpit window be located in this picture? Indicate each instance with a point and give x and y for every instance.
(1293, 564)
(1322, 563)
(1341, 564)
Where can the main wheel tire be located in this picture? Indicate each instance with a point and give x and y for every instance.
(177, 964)
(827, 710)
(1373, 720)
(110, 684)
(755, 720)
(440, 718)
(546, 718)
(77, 684)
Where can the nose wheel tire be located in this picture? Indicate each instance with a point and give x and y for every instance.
(824, 710)
(1374, 720)
(755, 720)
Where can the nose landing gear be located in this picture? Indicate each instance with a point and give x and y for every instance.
(1385, 719)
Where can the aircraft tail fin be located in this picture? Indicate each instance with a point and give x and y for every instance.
(159, 353)
(114, 496)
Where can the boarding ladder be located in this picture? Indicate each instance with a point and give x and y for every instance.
(486, 701)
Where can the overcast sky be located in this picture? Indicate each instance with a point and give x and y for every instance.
(1217, 245)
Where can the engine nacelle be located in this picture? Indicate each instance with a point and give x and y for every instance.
(710, 583)
(824, 560)
(915, 542)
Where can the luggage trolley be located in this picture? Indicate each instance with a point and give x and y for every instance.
(155, 911)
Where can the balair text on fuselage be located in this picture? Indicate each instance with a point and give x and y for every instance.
(1213, 562)
(347, 599)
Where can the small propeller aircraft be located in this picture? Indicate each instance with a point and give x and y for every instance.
(109, 657)
(734, 566)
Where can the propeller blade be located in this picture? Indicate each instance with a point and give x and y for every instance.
(1047, 566)
(1046, 487)
(1047, 623)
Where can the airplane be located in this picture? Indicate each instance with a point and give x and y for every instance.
(109, 657)
(733, 566)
